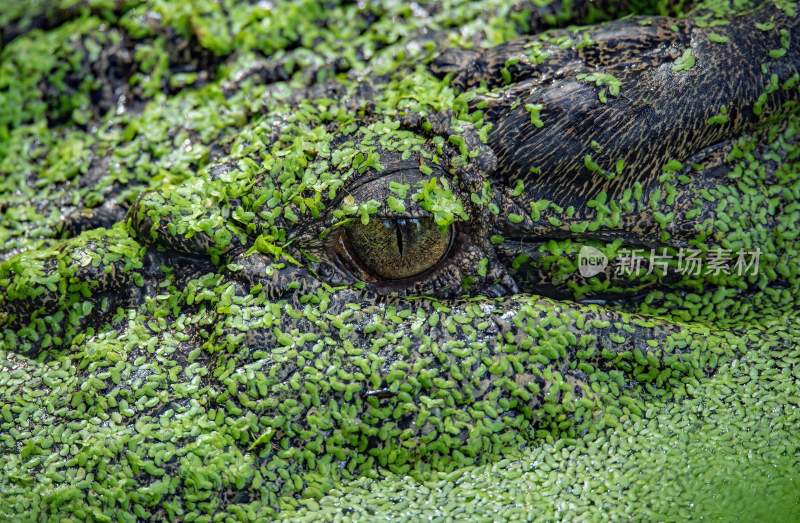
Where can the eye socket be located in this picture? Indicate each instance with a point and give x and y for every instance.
(398, 248)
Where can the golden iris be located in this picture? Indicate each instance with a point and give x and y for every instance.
(399, 248)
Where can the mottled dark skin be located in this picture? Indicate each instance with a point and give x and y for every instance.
(660, 115)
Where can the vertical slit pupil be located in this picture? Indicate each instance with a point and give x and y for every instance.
(399, 237)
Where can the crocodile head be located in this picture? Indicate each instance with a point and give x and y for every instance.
(387, 273)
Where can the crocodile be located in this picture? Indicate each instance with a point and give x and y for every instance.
(378, 270)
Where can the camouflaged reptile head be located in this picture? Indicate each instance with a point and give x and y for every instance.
(616, 142)
(612, 143)
(357, 280)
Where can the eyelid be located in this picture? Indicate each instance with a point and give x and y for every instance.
(381, 192)
(412, 210)
(405, 166)
(374, 179)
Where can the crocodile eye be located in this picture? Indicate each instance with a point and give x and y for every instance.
(398, 248)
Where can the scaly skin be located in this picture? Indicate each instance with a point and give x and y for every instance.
(236, 357)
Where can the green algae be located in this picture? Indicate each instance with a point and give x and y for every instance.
(685, 62)
(208, 397)
(709, 455)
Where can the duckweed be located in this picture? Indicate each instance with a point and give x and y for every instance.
(183, 358)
